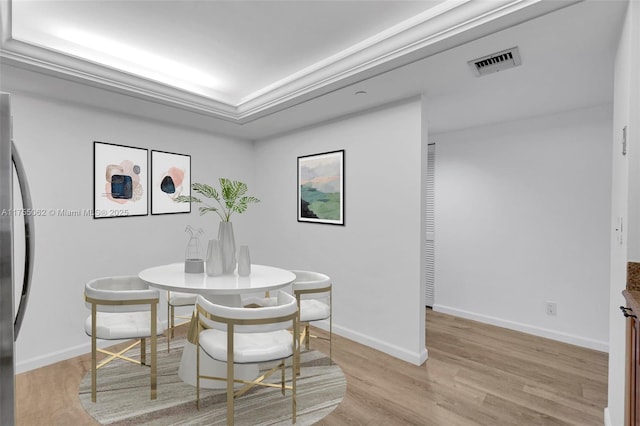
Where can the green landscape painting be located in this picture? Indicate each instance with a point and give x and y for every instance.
(321, 188)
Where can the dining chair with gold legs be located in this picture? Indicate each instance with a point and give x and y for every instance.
(175, 300)
(248, 336)
(314, 297)
(122, 308)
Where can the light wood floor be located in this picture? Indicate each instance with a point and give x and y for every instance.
(476, 374)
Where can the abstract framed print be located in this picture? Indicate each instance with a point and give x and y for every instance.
(321, 188)
(120, 176)
(170, 178)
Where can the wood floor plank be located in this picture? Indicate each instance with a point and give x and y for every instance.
(476, 374)
(49, 395)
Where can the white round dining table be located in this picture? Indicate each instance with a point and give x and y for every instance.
(172, 277)
(222, 289)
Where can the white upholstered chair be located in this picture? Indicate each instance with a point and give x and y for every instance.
(176, 299)
(255, 300)
(313, 294)
(122, 308)
(248, 336)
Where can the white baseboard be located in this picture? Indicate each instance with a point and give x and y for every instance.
(607, 417)
(53, 357)
(416, 358)
(526, 328)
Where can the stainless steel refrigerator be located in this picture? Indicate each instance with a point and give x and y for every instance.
(16, 232)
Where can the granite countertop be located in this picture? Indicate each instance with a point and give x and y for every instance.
(633, 300)
(632, 293)
(633, 276)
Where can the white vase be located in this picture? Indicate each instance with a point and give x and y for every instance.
(227, 247)
(244, 261)
(214, 258)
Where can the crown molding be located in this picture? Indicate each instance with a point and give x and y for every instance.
(51, 62)
(446, 25)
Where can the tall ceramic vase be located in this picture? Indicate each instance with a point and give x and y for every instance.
(227, 246)
(214, 258)
(244, 261)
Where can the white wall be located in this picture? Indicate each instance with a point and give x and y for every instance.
(522, 217)
(625, 201)
(55, 139)
(374, 260)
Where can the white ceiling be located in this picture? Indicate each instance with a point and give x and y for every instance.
(243, 46)
(280, 65)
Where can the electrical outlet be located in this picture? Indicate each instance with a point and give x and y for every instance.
(552, 308)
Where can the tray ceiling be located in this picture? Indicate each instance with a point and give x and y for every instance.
(226, 50)
(252, 69)
(232, 59)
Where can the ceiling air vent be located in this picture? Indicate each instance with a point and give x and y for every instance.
(496, 62)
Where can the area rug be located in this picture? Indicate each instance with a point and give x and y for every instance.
(123, 395)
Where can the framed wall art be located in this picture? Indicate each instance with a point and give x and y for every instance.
(321, 188)
(170, 178)
(120, 176)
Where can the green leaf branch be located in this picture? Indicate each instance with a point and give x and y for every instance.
(230, 199)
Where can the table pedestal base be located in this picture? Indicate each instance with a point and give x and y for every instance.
(211, 367)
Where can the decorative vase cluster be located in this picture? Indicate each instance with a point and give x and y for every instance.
(232, 198)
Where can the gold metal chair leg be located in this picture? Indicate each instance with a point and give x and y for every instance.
(282, 367)
(171, 324)
(154, 354)
(230, 371)
(173, 320)
(295, 369)
(94, 357)
(171, 327)
(330, 346)
(330, 328)
(196, 342)
(304, 337)
(143, 351)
